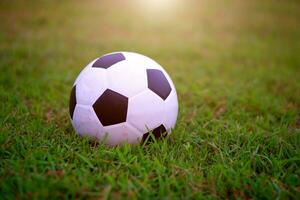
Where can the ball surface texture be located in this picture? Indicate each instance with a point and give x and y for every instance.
(121, 97)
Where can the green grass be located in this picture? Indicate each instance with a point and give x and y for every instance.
(236, 67)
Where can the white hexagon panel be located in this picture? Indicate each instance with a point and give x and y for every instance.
(146, 111)
(122, 133)
(86, 122)
(91, 85)
(127, 78)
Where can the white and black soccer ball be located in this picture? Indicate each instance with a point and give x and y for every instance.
(120, 97)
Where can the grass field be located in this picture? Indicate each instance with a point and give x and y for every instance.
(236, 67)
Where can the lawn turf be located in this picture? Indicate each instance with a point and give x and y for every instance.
(236, 67)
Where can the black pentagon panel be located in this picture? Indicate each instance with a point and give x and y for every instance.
(158, 133)
(72, 102)
(108, 60)
(111, 108)
(158, 83)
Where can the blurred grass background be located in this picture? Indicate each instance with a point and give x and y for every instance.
(236, 67)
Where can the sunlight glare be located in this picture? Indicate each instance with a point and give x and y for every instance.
(158, 8)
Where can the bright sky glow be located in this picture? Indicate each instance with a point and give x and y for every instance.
(158, 8)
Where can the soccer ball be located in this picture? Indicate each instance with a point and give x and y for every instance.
(122, 97)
